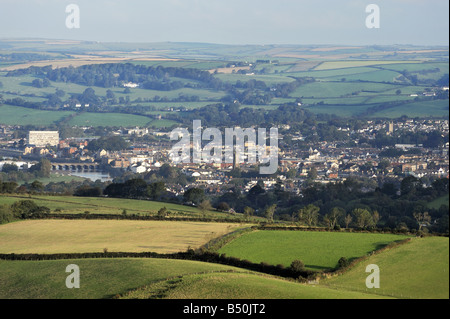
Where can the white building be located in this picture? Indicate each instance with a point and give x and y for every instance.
(43, 138)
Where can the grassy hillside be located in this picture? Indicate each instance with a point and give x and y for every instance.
(151, 278)
(418, 269)
(437, 203)
(318, 250)
(100, 205)
(99, 278)
(238, 285)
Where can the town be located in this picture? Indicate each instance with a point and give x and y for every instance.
(299, 164)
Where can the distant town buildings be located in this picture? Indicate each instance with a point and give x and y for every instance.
(43, 138)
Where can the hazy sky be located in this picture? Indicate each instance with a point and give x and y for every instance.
(231, 21)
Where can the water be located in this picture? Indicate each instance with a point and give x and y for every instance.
(93, 176)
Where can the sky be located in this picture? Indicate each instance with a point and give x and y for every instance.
(418, 22)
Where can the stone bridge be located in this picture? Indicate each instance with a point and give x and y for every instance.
(81, 167)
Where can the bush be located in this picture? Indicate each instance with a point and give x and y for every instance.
(6, 214)
(28, 209)
(343, 262)
(297, 266)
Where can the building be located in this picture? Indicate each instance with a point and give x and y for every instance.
(43, 138)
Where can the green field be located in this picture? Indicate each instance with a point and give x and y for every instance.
(99, 278)
(317, 250)
(15, 115)
(418, 270)
(240, 286)
(101, 205)
(437, 203)
(351, 64)
(344, 88)
(109, 119)
(150, 278)
(436, 108)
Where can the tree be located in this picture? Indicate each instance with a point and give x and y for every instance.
(10, 168)
(223, 207)
(375, 217)
(162, 212)
(43, 168)
(347, 220)
(167, 171)
(156, 190)
(408, 185)
(110, 95)
(422, 219)
(312, 174)
(343, 262)
(309, 214)
(135, 188)
(28, 209)
(205, 206)
(194, 195)
(6, 214)
(297, 266)
(332, 218)
(269, 212)
(37, 186)
(363, 217)
(248, 211)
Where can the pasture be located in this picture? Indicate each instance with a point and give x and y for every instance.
(112, 206)
(138, 278)
(99, 278)
(239, 285)
(346, 88)
(317, 250)
(418, 269)
(15, 115)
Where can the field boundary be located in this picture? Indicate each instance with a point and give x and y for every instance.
(190, 254)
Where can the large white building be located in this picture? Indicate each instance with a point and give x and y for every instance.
(43, 138)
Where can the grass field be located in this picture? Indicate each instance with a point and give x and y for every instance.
(434, 108)
(77, 236)
(347, 88)
(351, 64)
(418, 269)
(15, 115)
(101, 205)
(150, 278)
(437, 203)
(99, 278)
(238, 285)
(109, 119)
(318, 250)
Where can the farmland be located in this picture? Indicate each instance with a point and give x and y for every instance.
(418, 269)
(342, 87)
(77, 236)
(111, 206)
(317, 250)
(154, 239)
